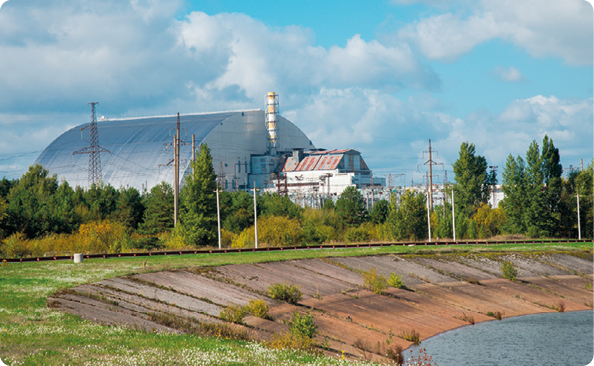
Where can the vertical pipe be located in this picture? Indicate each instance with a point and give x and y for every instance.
(428, 219)
(255, 217)
(218, 216)
(453, 215)
(578, 212)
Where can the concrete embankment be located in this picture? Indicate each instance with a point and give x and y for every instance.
(442, 292)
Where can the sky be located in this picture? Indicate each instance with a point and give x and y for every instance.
(382, 77)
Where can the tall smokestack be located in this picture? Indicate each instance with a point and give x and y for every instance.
(271, 120)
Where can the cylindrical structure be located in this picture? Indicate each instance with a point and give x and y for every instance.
(271, 120)
(78, 258)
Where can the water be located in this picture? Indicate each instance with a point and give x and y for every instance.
(539, 339)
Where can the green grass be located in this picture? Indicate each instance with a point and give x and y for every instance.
(32, 334)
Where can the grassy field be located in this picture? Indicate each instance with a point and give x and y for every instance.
(31, 333)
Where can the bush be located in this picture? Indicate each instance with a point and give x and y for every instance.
(396, 281)
(496, 315)
(466, 318)
(245, 239)
(358, 234)
(17, 246)
(258, 308)
(233, 313)
(411, 336)
(288, 340)
(509, 271)
(374, 281)
(227, 238)
(560, 306)
(395, 354)
(303, 326)
(285, 292)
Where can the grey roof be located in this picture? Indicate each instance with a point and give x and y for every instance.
(136, 146)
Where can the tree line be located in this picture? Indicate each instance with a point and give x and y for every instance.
(40, 215)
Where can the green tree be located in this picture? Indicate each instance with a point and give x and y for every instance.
(102, 200)
(198, 206)
(350, 207)
(535, 215)
(28, 209)
(237, 211)
(473, 182)
(552, 175)
(130, 208)
(380, 211)
(275, 205)
(158, 216)
(514, 189)
(408, 220)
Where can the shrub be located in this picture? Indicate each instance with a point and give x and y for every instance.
(396, 281)
(245, 239)
(589, 286)
(288, 340)
(411, 336)
(227, 238)
(560, 306)
(395, 354)
(17, 246)
(358, 234)
(374, 281)
(258, 308)
(466, 318)
(233, 313)
(509, 271)
(285, 292)
(496, 315)
(303, 326)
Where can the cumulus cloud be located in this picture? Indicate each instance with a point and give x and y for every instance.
(510, 74)
(544, 28)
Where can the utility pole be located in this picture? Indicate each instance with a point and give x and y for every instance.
(218, 216)
(578, 212)
(94, 150)
(428, 218)
(453, 215)
(176, 175)
(255, 217)
(430, 162)
(193, 152)
(494, 170)
(582, 164)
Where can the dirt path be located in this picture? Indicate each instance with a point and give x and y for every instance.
(442, 292)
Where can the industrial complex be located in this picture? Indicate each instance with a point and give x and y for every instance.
(250, 148)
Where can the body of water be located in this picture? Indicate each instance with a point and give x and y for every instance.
(539, 339)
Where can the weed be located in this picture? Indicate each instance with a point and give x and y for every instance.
(466, 318)
(422, 359)
(589, 286)
(233, 313)
(395, 354)
(396, 281)
(289, 340)
(285, 292)
(374, 281)
(560, 306)
(509, 271)
(411, 336)
(303, 326)
(390, 337)
(496, 315)
(257, 308)
(365, 347)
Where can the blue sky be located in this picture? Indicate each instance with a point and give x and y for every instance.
(382, 77)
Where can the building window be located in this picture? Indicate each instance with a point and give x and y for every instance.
(226, 183)
(233, 181)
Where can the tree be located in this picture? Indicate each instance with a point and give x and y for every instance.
(198, 208)
(158, 216)
(408, 220)
(552, 172)
(350, 207)
(275, 205)
(380, 211)
(237, 211)
(129, 208)
(515, 195)
(473, 182)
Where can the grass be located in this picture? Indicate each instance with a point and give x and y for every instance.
(33, 334)
(412, 336)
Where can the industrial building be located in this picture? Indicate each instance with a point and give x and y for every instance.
(249, 148)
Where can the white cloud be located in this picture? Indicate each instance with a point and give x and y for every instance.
(543, 27)
(510, 74)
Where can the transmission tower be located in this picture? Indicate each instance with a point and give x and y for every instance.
(94, 175)
(430, 162)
